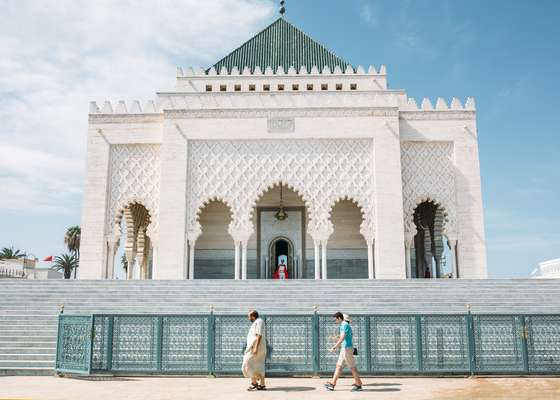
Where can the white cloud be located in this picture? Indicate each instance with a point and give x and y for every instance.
(59, 55)
(369, 15)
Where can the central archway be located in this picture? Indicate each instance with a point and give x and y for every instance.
(280, 216)
(281, 251)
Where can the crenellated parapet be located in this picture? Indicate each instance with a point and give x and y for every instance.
(134, 107)
(278, 78)
(441, 105)
(191, 72)
(425, 109)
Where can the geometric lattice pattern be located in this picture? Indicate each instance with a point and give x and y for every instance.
(428, 173)
(543, 343)
(499, 342)
(195, 344)
(134, 178)
(231, 341)
(135, 343)
(445, 343)
(184, 346)
(289, 343)
(393, 343)
(321, 171)
(73, 352)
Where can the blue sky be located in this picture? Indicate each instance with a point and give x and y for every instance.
(504, 53)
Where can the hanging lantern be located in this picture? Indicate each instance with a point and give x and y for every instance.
(281, 214)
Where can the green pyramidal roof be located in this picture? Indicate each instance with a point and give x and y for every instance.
(281, 44)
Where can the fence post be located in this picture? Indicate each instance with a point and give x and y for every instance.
(471, 343)
(110, 343)
(368, 344)
(419, 359)
(316, 343)
(525, 321)
(159, 343)
(211, 343)
(91, 339)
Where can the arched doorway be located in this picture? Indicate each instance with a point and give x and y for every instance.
(281, 252)
(214, 248)
(347, 249)
(429, 256)
(280, 217)
(133, 253)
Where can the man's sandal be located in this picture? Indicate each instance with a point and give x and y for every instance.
(253, 387)
(356, 388)
(261, 387)
(329, 386)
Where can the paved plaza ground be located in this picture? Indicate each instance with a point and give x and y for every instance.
(171, 388)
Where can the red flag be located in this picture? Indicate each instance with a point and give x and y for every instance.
(49, 258)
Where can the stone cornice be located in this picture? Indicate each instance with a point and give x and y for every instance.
(437, 115)
(266, 113)
(125, 118)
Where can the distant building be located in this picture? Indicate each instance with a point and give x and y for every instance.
(26, 268)
(547, 269)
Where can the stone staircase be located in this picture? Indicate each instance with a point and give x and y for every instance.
(29, 309)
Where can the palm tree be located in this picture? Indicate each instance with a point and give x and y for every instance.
(66, 263)
(124, 263)
(8, 253)
(72, 241)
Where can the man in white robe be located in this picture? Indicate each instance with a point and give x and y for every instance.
(255, 353)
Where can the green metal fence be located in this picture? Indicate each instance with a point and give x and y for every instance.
(298, 344)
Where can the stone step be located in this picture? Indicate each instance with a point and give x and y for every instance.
(28, 339)
(50, 343)
(27, 371)
(51, 351)
(31, 364)
(27, 357)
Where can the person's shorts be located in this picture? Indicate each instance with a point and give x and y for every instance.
(346, 357)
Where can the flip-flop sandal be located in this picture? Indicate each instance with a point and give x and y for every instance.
(329, 386)
(253, 387)
(261, 387)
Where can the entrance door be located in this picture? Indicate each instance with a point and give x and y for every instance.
(281, 253)
(280, 237)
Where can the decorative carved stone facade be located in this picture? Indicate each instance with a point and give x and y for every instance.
(134, 178)
(428, 173)
(321, 171)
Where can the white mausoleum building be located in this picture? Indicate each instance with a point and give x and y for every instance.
(283, 153)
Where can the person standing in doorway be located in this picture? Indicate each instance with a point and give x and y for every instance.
(346, 356)
(255, 353)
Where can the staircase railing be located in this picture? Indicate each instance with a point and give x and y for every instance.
(464, 344)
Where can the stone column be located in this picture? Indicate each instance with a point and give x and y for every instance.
(93, 246)
(452, 243)
(112, 247)
(371, 271)
(244, 260)
(408, 244)
(173, 203)
(130, 259)
(324, 258)
(191, 259)
(237, 263)
(317, 244)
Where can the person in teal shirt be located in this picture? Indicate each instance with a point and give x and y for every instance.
(346, 356)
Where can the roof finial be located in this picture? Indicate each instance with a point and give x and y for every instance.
(282, 8)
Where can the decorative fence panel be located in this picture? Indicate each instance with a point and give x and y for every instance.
(300, 344)
(74, 344)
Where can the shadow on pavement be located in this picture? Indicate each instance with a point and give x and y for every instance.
(291, 389)
(382, 384)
